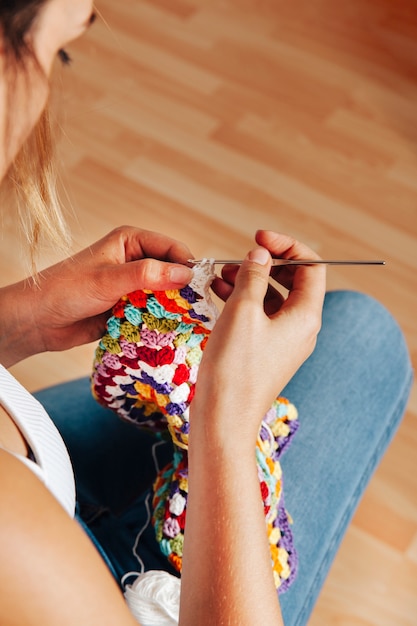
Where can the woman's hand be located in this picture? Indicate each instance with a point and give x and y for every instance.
(70, 303)
(260, 339)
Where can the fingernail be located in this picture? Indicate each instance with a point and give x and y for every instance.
(180, 274)
(259, 255)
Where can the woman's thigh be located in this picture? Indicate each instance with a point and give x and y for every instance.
(350, 394)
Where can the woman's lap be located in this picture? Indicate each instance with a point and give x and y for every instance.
(350, 395)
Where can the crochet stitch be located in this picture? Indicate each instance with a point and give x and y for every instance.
(145, 370)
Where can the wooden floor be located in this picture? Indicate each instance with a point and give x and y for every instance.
(207, 119)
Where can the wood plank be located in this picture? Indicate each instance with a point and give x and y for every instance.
(209, 119)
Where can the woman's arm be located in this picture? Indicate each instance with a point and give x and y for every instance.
(69, 303)
(50, 572)
(258, 343)
(227, 573)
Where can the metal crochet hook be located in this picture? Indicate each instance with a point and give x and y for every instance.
(280, 262)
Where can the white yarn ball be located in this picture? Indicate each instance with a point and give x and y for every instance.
(154, 598)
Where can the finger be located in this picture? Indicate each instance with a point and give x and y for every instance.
(221, 288)
(284, 246)
(229, 273)
(277, 243)
(143, 243)
(306, 284)
(127, 243)
(273, 301)
(146, 274)
(252, 278)
(308, 291)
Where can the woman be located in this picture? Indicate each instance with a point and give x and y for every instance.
(50, 571)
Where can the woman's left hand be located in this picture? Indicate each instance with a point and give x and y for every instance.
(71, 301)
(260, 340)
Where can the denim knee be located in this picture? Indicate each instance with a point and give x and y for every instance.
(369, 325)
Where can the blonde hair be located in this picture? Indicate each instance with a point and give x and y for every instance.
(33, 176)
(33, 172)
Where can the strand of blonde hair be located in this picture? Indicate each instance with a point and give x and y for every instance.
(33, 175)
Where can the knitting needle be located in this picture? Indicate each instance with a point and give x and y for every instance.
(280, 262)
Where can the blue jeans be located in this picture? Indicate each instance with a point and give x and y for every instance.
(350, 394)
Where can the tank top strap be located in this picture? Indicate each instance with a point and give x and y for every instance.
(52, 462)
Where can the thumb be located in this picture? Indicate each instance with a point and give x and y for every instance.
(151, 274)
(253, 275)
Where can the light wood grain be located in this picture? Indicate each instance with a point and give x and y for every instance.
(208, 119)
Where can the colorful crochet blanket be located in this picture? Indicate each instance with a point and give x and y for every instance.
(145, 369)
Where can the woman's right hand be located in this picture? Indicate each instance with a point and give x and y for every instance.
(260, 339)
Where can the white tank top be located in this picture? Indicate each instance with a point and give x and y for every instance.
(52, 463)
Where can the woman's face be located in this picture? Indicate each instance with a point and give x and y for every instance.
(58, 23)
